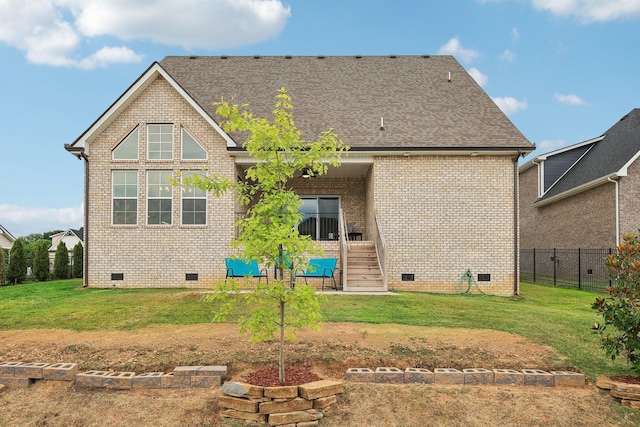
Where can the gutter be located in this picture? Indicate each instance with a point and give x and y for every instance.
(617, 183)
(80, 154)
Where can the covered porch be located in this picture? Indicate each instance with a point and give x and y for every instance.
(337, 212)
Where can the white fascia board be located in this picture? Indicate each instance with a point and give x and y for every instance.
(577, 190)
(623, 170)
(132, 93)
(543, 157)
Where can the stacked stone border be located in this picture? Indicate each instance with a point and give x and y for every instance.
(19, 374)
(535, 377)
(292, 406)
(628, 394)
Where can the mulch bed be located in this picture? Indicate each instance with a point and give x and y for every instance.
(270, 377)
(628, 379)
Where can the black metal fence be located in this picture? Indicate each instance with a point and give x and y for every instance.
(575, 268)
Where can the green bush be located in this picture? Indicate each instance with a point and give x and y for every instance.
(41, 261)
(61, 262)
(17, 271)
(78, 251)
(3, 268)
(621, 309)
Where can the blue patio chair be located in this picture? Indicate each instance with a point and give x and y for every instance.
(320, 268)
(237, 267)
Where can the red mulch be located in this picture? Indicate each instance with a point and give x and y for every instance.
(270, 377)
(629, 379)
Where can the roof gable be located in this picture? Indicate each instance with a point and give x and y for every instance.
(372, 102)
(82, 144)
(608, 156)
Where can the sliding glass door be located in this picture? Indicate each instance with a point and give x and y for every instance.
(320, 217)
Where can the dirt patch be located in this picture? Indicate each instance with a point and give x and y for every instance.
(328, 353)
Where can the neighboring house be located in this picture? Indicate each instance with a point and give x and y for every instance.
(585, 195)
(430, 180)
(70, 238)
(6, 239)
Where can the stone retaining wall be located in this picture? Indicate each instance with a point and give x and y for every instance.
(18, 374)
(535, 377)
(292, 406)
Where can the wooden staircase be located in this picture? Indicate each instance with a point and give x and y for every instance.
(363, 271)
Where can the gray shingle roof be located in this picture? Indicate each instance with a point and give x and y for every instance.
(420, 107)
(607, 157)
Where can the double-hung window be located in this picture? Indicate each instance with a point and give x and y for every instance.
(124, 197)
(159, 197)
(194, 203)
(160, 142)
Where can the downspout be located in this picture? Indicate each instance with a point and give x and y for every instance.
(516, 240)
(85, 237)
(617, 183)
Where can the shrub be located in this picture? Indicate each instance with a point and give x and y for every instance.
(621, 309)
(3, 268)
(61, 262)
(17, 271)
(78, 251)
(41, 261)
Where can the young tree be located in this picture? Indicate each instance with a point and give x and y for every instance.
(621, 310)
(78, 251)
(3, 268)
(269, 231)
(41, 261)
(61, 262)
(17, 271)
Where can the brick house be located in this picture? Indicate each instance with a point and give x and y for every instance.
(429, 185)
(585, 195)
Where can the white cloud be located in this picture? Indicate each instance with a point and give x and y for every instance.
(549, 145)
(51, 32)
(591, 10)
(22, 220)
(510, 105)
(515, 35)
(508, 56)
(569, 99)
(480, 78)
(453, 47)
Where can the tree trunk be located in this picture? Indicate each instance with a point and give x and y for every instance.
(281, 358)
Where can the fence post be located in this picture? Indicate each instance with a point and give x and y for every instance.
(534, 265)
(554, 266)
(610, 281)
(579, 270)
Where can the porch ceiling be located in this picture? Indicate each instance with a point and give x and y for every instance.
(350, 168)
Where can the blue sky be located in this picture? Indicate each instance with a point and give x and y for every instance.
(563, 71)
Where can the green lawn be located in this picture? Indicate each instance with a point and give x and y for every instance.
(558, 317)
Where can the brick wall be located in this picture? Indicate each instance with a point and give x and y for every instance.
(586, 220)
(157, 256)
(630, 200)
(442, 215)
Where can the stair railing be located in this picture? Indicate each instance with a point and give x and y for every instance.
(344, 248)
(381, 249)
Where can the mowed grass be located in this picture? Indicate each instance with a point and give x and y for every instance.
(557, 317)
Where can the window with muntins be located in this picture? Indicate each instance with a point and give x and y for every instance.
(191, 149)
(159, 194)
(124, 197)
(194, 204)
(160, 142)
(128, 147)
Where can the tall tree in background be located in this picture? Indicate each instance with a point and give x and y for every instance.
(41, 261)
(17, 271)
(3, 268)
(78, 251)
(61, 262)
(269, 231)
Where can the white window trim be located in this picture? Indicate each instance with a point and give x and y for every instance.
(147, 198)
(182, 198)
(149, 143)
(113, 197)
